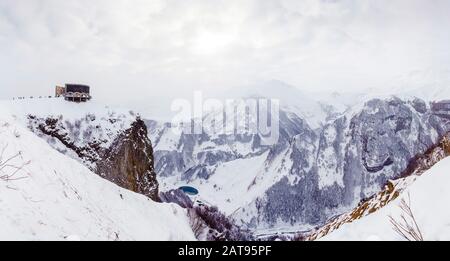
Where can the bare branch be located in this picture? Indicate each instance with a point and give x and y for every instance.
(9, 170)
(407, 227)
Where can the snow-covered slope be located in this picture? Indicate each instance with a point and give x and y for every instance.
(56, 106)
(55, 197)
(428, 197)
(82, 123)
(111, 142)
(85, 122)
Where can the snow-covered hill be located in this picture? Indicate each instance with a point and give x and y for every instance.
(54, 197)
(428, 197)
(79, 123)
(111, 142)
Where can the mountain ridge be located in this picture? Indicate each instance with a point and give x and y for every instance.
(376, 138)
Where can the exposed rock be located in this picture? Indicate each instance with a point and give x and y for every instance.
(116, 151)
(207, 222)
(178, 197)
(129, 162)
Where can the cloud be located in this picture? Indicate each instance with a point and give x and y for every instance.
(161, 46)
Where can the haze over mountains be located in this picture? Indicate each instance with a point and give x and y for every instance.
(363, 89)
(333, 151)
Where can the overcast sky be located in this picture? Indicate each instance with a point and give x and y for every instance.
(152, 46)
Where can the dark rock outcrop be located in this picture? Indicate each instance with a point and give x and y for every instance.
(129, 162)
(207, 222)
(176, 196)
(122, 156)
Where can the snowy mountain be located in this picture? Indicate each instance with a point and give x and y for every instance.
(350, 159)
(430, 85)
(111, 142)
(114, 144)
(332, 153)
(49, 196)
(311, 174)
(292, 99)
(427, 197)
(392, 190)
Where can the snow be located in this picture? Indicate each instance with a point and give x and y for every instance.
(429, 196)
(236, 185)
(81, 123)
(230, 186)
(169, 141)
(328, 169)
(429, 84)
(57, 198)
(233, 185)
(341, 101)
(86, 120)
(57, 106)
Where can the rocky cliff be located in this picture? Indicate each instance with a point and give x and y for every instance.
(128, 162)
(115, 147)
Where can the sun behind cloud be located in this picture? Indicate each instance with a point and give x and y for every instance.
(211, 43)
